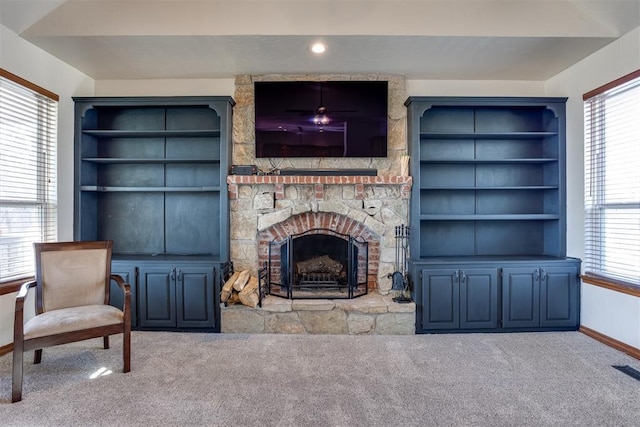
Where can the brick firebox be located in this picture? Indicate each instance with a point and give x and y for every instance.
(331, 221)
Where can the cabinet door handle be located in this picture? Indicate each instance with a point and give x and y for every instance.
(173, 274)
(179, 275)
(463, 278)
(536, 276)
(543, 274)
(455, 277)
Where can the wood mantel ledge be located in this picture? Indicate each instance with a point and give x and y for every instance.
(358, 181)
(329, 180)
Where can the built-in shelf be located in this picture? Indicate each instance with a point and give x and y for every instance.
(201, 133)
(518, 187)
(120, 160)
(488, 161)
(486, 135)
(490, 176)
(107, 189)
(477, 217)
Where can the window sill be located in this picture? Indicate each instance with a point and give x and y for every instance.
(13, 285)
(614, 285)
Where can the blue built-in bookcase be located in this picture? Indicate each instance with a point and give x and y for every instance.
(150, 174)
(488, 216)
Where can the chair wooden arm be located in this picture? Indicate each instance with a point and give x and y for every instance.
(24, 289)
(22, 295)
(121, 283)
(126, 288)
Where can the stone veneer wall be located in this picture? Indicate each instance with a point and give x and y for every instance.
(244, 126)
(264, 208)
(380, 203)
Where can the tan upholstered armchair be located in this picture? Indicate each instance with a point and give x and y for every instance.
(72, 303)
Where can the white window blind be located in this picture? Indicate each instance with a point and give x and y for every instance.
(28, 128)
(612, 180)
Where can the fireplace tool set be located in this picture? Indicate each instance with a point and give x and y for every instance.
(399, 279)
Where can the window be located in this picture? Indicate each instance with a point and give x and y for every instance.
(28, 127)
(612, 180)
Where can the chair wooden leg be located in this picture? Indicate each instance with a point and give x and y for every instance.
(16, 382)
(126, 349)
(106, 342)
(37, 356)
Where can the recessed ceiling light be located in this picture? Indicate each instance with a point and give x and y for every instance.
(318, 48)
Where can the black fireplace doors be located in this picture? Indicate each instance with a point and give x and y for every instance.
(318, 263)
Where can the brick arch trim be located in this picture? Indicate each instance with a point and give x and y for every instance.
(297, 224)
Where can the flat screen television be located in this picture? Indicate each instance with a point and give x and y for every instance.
(321, 119)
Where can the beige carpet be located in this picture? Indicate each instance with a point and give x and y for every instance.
(562, 378)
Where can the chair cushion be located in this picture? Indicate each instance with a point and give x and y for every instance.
(72, 319)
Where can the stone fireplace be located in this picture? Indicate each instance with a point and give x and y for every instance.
(268, 207)
(378, 203)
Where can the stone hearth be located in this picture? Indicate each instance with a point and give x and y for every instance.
(369, 314)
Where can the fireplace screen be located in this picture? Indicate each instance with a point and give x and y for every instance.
(318, 263)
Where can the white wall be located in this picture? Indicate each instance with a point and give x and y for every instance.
(611, 313)
(33, 64)
(613, 61)
(7, 310)
(7, 306)
(192, 87)
(475, 88)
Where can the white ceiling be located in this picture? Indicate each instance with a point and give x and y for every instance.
(421, 39)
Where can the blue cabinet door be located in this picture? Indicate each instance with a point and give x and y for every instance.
(545, 296)
(520, 297)
(440, 299)
(459, 299)
(479, 298)
(195, 297)
(156, 299)
(559, 296)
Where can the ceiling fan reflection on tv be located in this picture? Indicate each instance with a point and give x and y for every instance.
(321, 113)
